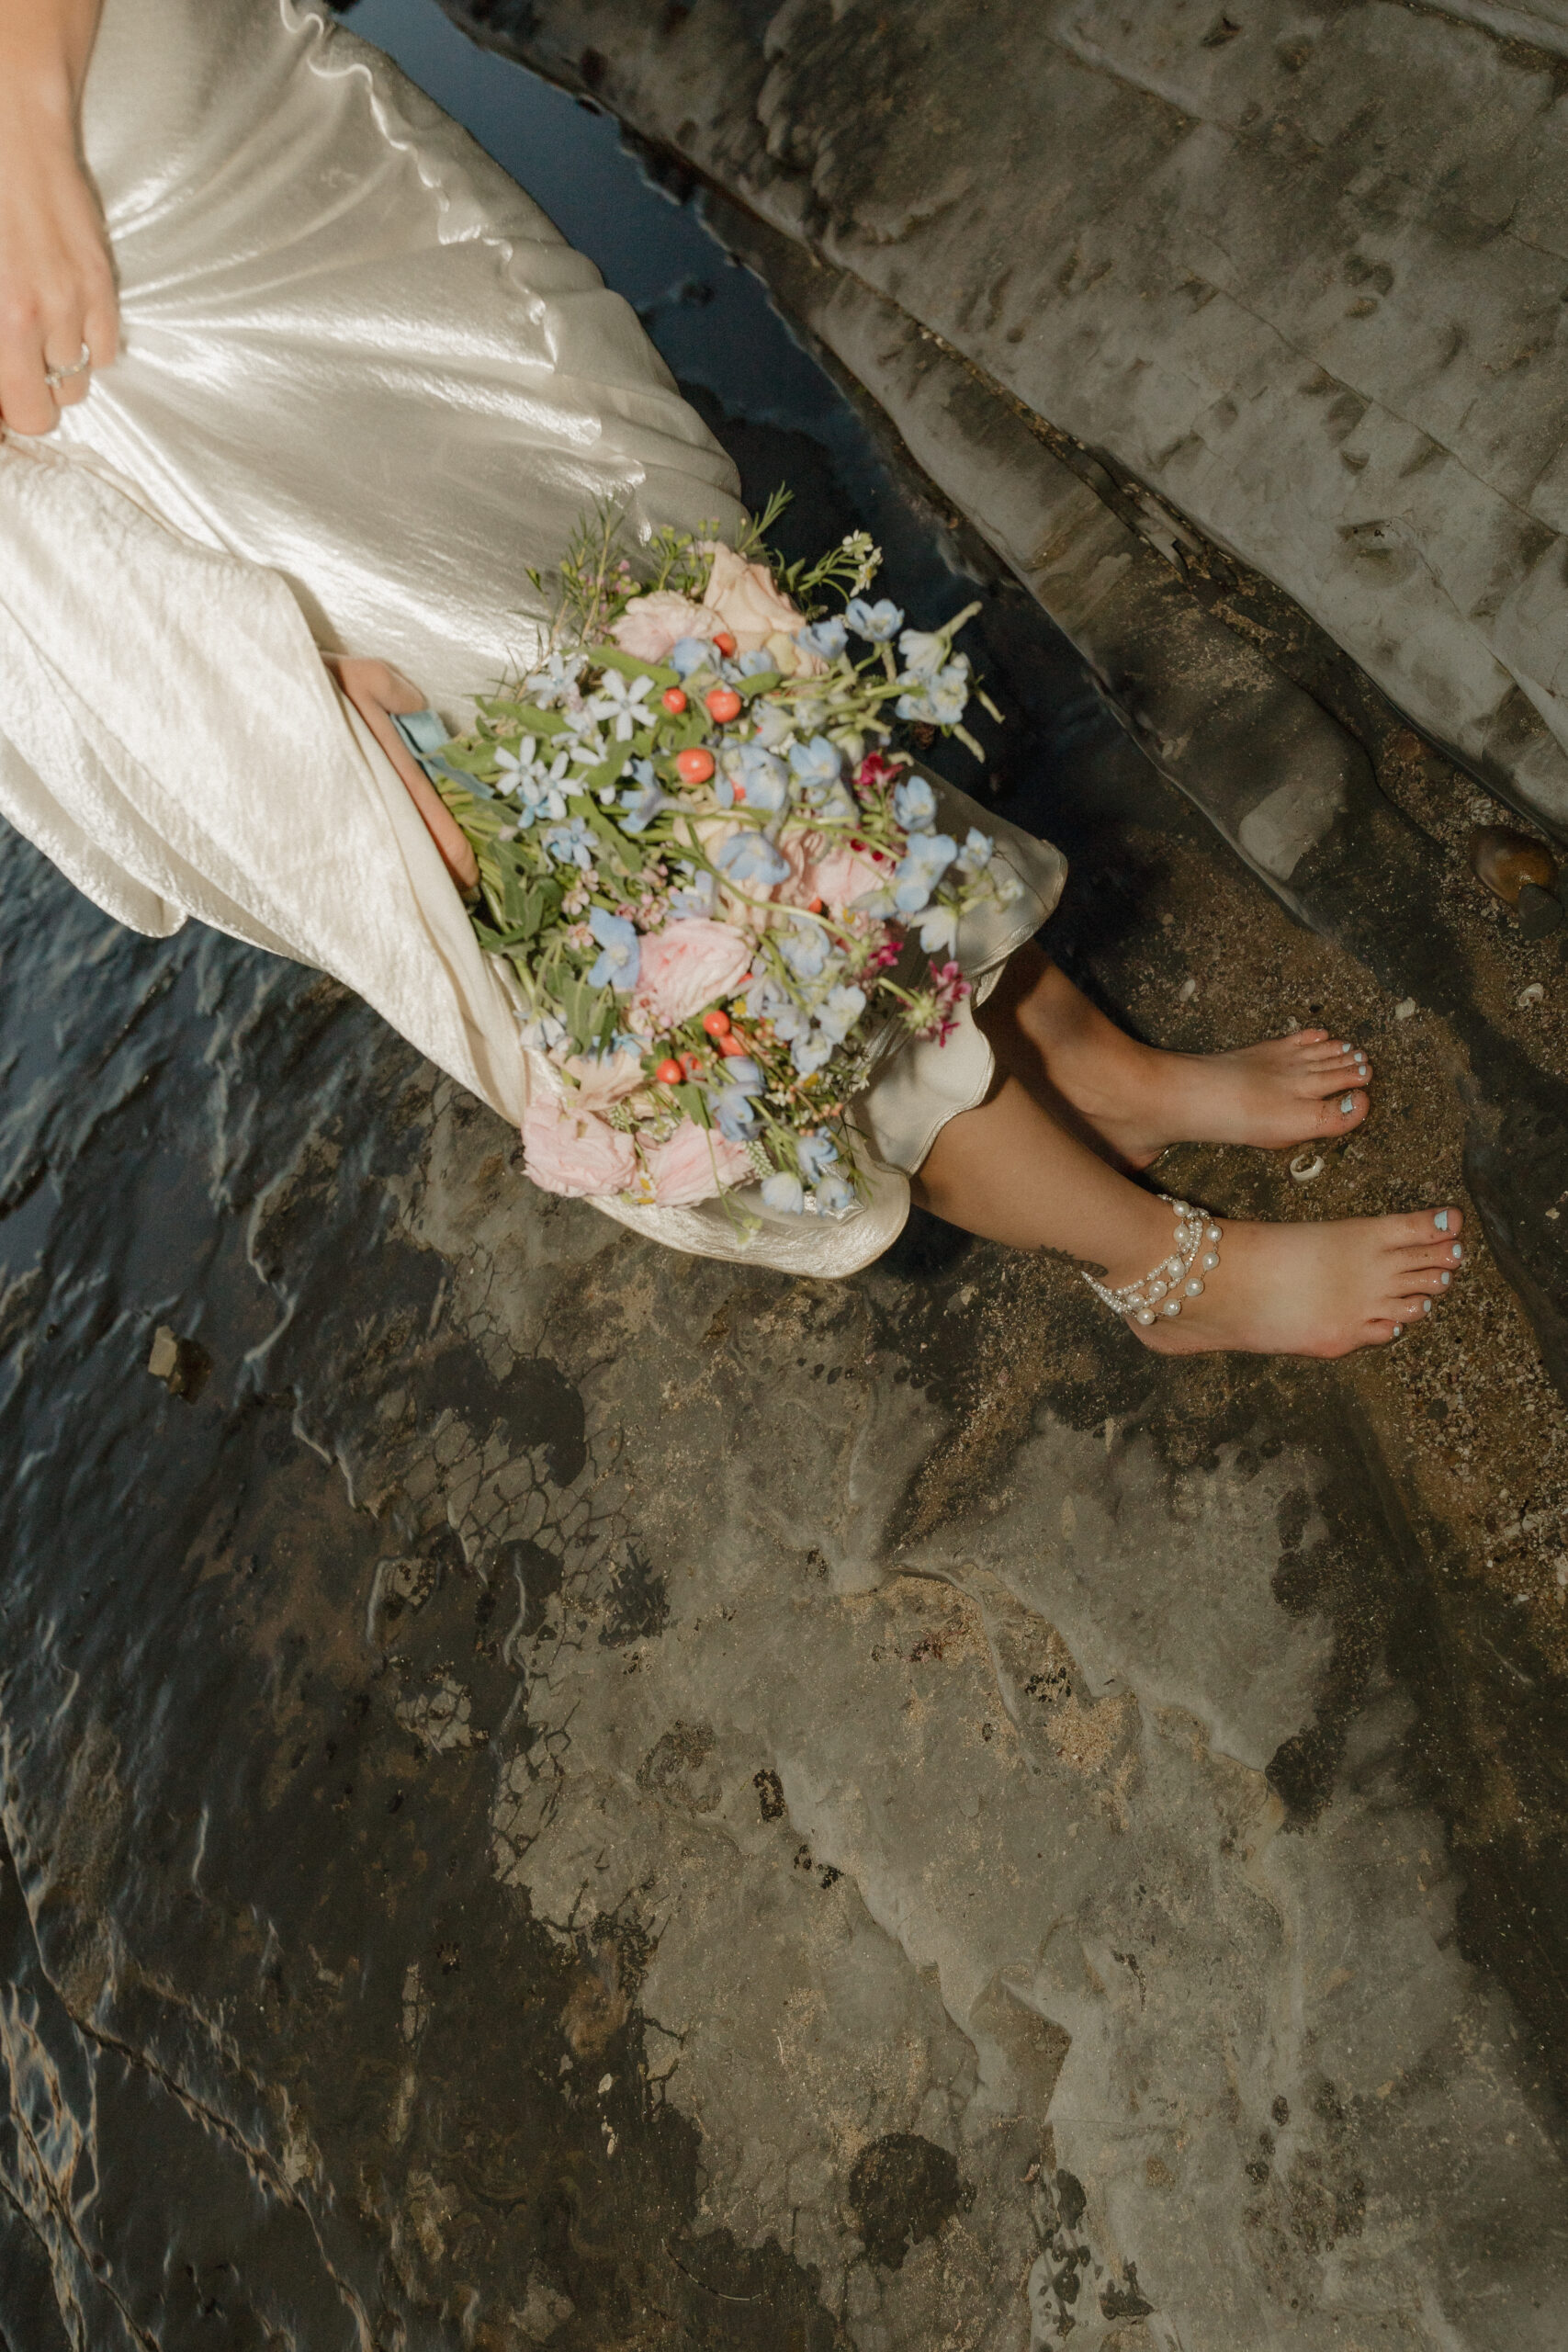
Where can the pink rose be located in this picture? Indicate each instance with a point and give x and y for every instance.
(570, 1151)
(695, 1164)
(841, 875)
(683, 967)
(743, 597)
(602, 1078)
(652, 623)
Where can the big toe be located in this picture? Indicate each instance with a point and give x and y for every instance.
(1342, 1112)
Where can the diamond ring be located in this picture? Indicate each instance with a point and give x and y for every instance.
(55, 377)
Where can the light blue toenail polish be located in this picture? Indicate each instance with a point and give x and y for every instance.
(1347, 1103)
(1343, 1049)
(1425, 1306)
(1444, 1280)
(1458, 1250)
(1441, 1221)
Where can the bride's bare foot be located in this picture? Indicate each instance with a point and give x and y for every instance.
(1312, 1290)
(1289, 1091)
(1298, 1089)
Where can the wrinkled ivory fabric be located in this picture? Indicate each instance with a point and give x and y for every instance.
(365, 387)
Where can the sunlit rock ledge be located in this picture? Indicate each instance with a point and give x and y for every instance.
(1301, 271)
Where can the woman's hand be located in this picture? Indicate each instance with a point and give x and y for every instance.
(377, 690)
(58, 301)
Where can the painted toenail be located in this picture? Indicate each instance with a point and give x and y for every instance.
(1343, 1049)
(1441, 1221)
(1347, 1103)
(1444, 1280)
(1425, 1306)
(1458, 1249)
(1399, 1330)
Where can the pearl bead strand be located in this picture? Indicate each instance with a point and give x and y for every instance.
(1163, 1291)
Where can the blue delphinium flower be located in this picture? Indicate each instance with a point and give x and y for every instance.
(922, 651)
(927, 859)
(975, 853)
(765, 778)
(938, 929)
(695, 897)
(642, 800)
(816, 765)
(804, 948)
(751, 857)
(785, 1193)
(880, 623)
(743, 1072)
(755, 665)
(572, 844)
(790, 1020)
(914, 803)
(827, 638)
(689, 653)
(940, 701)
(620, 953)
(833, 1196)
(818, 1153)
(810, 1052)
(842, 1010)
(735, 1112)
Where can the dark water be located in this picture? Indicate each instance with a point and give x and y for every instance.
(239, 1851)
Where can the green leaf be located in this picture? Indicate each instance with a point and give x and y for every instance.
(610, 657)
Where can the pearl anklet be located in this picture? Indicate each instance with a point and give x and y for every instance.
(1176, 1278)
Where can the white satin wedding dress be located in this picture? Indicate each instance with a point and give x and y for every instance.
(365, 387)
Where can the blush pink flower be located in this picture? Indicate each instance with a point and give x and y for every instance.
(569, 1151)
(683, 967)
(602, 1078)
(838, 874)
(745, 601)
(694, 1165)
(652, 623)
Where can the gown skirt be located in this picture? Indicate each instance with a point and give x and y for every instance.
(365, 387)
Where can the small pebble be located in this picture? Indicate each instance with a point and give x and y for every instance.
(1532, 995)
(1187, 992)
(1404, 1008)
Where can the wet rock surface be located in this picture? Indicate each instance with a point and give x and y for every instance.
(559, 1794)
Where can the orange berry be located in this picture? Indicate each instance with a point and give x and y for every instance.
(740, 792)
(730, 1045)
(717, 1022)
(691, 1064)
(695, 766)
(723, 704)
(674, 700)
(724, 641)
(670, 1073)
(814, 906)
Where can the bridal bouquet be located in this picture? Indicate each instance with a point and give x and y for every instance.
(707, 868)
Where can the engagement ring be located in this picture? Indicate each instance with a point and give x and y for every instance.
(55, 377)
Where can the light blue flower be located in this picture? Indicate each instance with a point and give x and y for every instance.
(621, 953)
(827, 638)
(975, 853)
(810, 1052)
(833, 1196)
(922, 651)
(766, 779)
(751, 857)
(818, 1153)
(572, 844)
(816, 765)
(789, 1020)
(880, 623)
(929, 857)
(938, 929)
(620, 699)
(842, 1010)
(556, 682)
(804, 948)
(689, 653)
(736, 1113)
(764, 997)
(940, 701)
(743, 1072)
(914, 803)
(755, 665)
(641, 801)
(785, 1193)
(696, 896)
